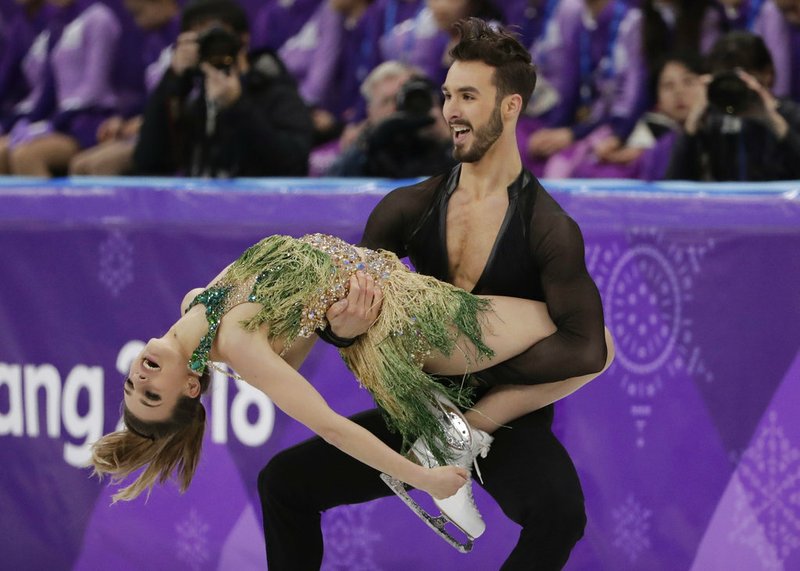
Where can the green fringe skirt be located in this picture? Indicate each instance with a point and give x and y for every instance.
(296, 281)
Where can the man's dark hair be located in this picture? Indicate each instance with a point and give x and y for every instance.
(494, 46)
(740, 49)
(228, 12)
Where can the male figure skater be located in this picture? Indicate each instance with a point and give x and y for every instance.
(487, 226)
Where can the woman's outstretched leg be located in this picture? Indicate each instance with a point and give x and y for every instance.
(512, 326)
(509, 328)
(504, 403)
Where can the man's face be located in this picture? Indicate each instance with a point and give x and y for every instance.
(471, 109)
(790, 10)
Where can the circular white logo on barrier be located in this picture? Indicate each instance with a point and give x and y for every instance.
(644, 302)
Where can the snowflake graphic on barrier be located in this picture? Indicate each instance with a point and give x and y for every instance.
(350, 538)
(116, 263)
(646, 284)
(767, 516)
(631, 528)
(193, 540)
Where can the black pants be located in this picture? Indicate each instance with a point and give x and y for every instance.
(528, 472)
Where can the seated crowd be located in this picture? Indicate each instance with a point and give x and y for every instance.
(703, 90)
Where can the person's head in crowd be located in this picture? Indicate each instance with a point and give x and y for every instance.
(350, 9)
(790, 10)
(680, 28)
(381, 86)
(489, 83)
(152, 14)
(213, 32)
(745, 51)
(447, 12)
(677, 84)
(200, 15)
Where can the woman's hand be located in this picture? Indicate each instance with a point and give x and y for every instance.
(443, 481)
(547, 142)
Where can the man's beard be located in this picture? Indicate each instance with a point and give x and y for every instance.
(484, 138)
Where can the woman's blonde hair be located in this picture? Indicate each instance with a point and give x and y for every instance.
(163, 447)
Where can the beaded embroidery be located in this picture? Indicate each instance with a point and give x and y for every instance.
(347, 260)
(218, 300)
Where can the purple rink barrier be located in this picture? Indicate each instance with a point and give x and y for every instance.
(688, 448)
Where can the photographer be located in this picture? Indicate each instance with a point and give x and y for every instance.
(404, 134)
(218, 112)
(738, 130)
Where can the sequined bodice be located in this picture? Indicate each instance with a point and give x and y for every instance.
(346, 260)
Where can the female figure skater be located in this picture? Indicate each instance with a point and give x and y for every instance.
(259, 316)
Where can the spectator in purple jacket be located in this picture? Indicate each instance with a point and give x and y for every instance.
(425, 41)
(527, 18)
(113, 155)
(333, 53)
(76, 95)
(278, 20)
(27, 22)
(19, 74)
(670, 26)
(600, 98)
(763, 18)
(791, 14)
(677, 88)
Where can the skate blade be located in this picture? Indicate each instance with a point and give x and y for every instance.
(436, 523)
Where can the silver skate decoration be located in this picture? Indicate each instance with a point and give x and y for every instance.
(646, 284)
(459, 437)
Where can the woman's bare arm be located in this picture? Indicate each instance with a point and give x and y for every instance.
(251, 356)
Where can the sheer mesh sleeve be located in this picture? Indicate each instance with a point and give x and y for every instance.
(397, 215)
(578, 346)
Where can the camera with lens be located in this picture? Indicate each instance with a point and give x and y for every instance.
(415, 97)
(219, 48)
(729, 94)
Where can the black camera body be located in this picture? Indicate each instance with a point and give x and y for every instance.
(415, 97)
(219, 48)
(729, 94)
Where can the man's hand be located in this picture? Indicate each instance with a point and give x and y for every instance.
(223, 88)
(352, 316)
(186, 53)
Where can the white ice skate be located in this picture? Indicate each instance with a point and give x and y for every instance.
(466, 444)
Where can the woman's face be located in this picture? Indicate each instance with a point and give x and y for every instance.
(678, 90)
(448, 12)
(158, 377)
